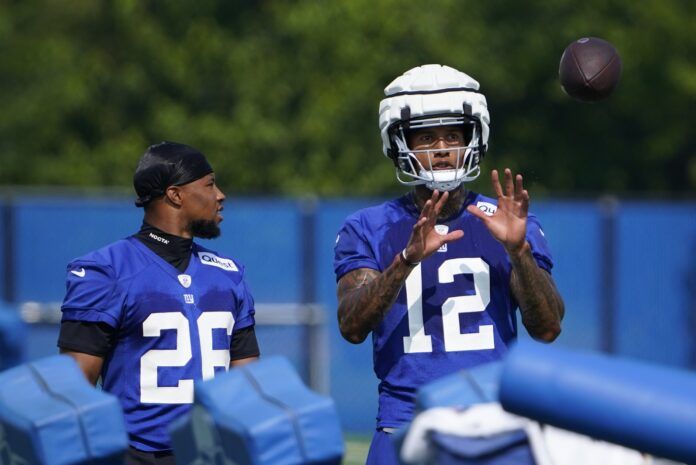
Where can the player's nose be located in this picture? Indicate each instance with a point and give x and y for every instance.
(220, 195)
(441, 148)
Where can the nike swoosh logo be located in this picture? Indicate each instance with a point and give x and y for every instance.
(81, 273)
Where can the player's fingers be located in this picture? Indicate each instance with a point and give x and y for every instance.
(453, 236)
(476, 211)
(525, 201)
(427, 209)
(418, 227)
(441, 202)
(519, 188)
(434, 199)
(421, 221)
(496, 183)
(509, 187)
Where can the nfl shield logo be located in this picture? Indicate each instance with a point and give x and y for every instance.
(442, 229)
(185, 280)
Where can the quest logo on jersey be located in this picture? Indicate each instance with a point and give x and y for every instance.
(487, 208)
(208, 258)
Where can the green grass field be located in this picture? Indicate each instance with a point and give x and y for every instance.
(356, 450)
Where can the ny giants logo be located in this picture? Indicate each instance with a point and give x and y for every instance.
(208, 258)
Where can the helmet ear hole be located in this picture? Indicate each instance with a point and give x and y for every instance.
(406, 116)
(468, 133)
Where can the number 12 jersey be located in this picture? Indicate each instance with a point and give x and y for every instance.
(455, 310)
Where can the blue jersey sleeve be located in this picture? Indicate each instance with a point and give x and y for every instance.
(352, 250)
(540, 247)
(92, 294)
(245, 305)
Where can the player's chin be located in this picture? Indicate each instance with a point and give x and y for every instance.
(206, 229)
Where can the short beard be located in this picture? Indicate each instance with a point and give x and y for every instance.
(205, 229)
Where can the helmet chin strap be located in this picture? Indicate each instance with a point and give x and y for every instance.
(453, 179)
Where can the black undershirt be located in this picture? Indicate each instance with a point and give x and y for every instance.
(172, 249)
(100, 338)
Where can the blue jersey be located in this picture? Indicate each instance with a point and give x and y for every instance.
(172, 328)
(455, 309)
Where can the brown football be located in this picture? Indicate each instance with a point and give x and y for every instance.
(590, 69)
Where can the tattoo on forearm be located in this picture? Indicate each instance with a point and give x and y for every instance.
(365, 296)
(540, 303)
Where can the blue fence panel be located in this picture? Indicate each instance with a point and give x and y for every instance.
(353, 382)
(573, 231)
(656, 281)
(49, 232)
(264, 235)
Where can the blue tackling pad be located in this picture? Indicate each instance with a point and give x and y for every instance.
(258, 414)
(461, 389)
(51, 415)
(12, 337)
(645, 407)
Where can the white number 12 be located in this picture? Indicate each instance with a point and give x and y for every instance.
(418, 341)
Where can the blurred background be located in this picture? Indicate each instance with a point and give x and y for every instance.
(282, 97)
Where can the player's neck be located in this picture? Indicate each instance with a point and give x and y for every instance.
(453, 205)
(168, 224)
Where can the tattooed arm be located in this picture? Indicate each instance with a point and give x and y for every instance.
(365, 295)
(541, 305)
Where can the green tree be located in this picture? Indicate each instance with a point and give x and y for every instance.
(283, 96)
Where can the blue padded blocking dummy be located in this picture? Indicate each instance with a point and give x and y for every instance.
(51, 415)
(259, 414)
(12, 337)
(461, 389)
(646, 407)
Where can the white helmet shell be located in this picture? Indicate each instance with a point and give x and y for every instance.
(426, 96)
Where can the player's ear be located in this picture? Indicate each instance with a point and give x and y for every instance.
(173, 196)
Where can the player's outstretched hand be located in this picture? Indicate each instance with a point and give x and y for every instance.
(509, 222)
(425, 240)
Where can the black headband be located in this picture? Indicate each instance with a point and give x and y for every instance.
(167, 164)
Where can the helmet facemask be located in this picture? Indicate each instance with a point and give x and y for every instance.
(432, 96)
(410, 171)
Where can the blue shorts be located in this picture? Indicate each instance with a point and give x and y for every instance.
(382, 450)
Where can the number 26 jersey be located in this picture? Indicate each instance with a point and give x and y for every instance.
(455, 310)
(172, 328)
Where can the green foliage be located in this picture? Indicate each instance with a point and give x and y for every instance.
(283, 96)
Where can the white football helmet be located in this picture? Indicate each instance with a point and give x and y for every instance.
(427, 96)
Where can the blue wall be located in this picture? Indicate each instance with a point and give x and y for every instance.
(654, 273)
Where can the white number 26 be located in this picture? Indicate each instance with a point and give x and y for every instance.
(182, 393)
(418, 341)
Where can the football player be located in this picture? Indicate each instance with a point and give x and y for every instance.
(437, 275)
(153, 313)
